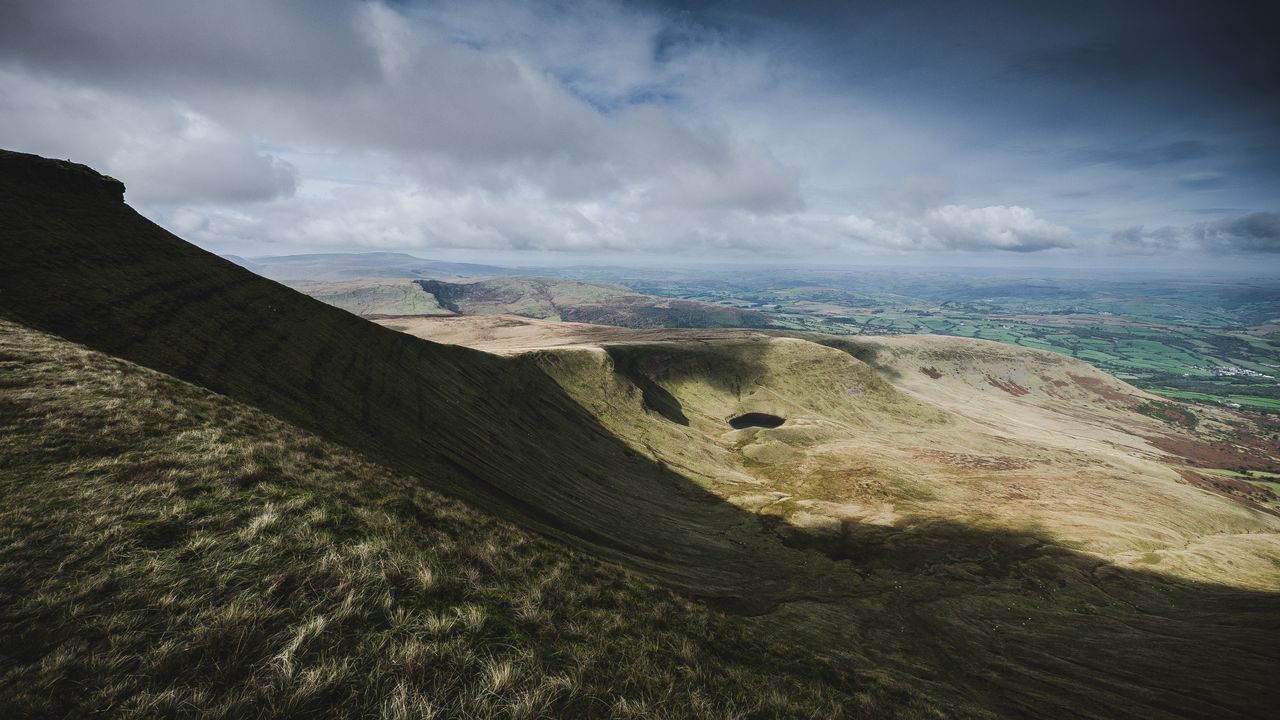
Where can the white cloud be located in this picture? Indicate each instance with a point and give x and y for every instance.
(997, 227)
(167, 152)
(958, 227)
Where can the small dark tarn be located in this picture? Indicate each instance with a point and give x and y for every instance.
(763, 420)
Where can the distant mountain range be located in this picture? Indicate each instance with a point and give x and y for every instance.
(345, 266)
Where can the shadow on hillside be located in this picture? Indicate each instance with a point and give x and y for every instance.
(446, 294)
(1026, 627)
(655, 397)
(729, 367)
(865, 350)
(1001, 618)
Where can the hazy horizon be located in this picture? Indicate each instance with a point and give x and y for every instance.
(711, 266)
(1083, 135)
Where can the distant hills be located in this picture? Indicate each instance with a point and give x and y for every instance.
(574, 301)
(384, 284)
(346, 266)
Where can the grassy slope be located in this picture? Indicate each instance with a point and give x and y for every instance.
(373, 297)
(83, 265)
(165, 551)
(961, 521)
(574, 301)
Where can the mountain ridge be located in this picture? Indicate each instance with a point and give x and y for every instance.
(152, 298)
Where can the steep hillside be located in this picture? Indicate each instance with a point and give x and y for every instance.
(165, 552)
(1006, 438)
(916, 515)
(980, 485)
(82, 264)
(573, 301)
(372, 297)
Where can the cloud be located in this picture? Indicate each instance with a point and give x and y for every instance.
(1138, 239)
(997, 227)
(165, 151)
(959, 227)
(599, 124)
(170, 45)
(455, 108)
(1257, 232)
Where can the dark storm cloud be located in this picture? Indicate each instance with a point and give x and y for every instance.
(1094, 62)
(1257, 232)
(1142, 98)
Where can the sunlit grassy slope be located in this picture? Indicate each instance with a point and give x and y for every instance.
(979, 489)
(575, 301)
(878, 601)
(938, 429)
(377, 296)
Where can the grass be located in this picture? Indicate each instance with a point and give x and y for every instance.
(489, 430)
(1164, 335)
(569, 300)
(168, 552)
(374, 297)
(1250, 401)
(1168, 412)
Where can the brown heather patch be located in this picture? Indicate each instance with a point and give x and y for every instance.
(932, 372)
(1098, 387)
(1241, 491)
(1008, 386)
(1169, 413)
(1220, 454)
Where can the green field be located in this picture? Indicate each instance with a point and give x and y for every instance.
(1196, 340)
(1188, 363)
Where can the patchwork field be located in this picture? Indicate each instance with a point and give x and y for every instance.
(1204, 340)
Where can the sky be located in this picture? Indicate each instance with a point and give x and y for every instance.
(1075, 134)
